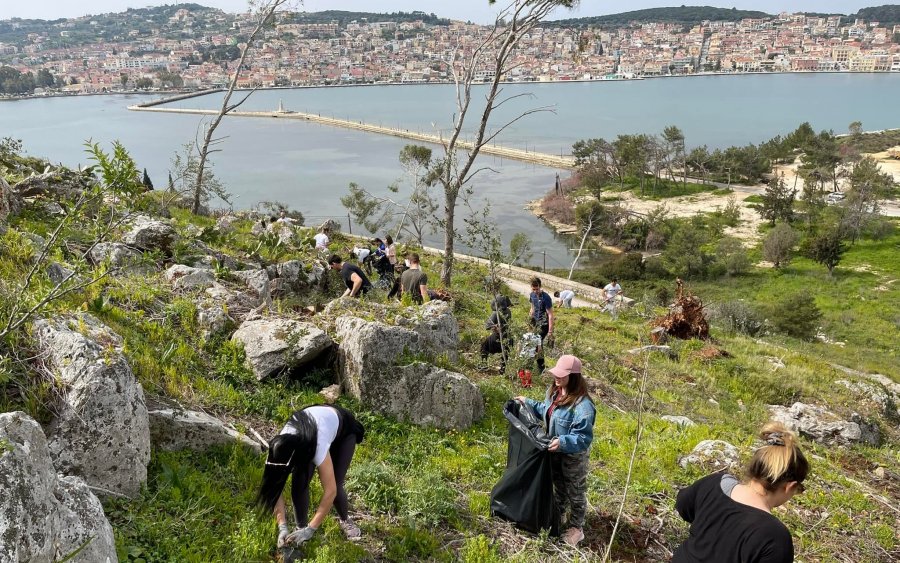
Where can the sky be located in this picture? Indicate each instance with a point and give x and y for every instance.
(470, 10)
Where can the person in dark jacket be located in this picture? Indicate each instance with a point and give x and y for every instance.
(569, 414)
(732, 521)
(500, 340)
(321, 438)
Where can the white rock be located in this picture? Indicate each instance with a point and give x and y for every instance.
(149, 234)
(119, 255)
(712, 455)
(257, 281)
(420, 393)
(273, 345)
(44, 517)
(101, 431)
(678, 420)
(824, 426)
(185, 277)
(174, 429)
(331, 393)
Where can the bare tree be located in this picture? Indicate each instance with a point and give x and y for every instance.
(587, 229)
(496, 53)
(264, 11)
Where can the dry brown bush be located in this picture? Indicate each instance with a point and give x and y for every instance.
(558, 208)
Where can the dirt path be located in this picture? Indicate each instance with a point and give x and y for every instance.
(525, 289)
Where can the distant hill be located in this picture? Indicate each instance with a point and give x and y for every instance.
(344, 18)
(887, 15)
(685, 15)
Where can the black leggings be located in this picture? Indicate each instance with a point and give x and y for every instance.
(341, 452)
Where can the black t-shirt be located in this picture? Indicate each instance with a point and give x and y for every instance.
(347, 270)
(726, 531)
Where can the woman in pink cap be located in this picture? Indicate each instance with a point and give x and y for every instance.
(569, 413)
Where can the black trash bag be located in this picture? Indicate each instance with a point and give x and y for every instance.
(524, 494)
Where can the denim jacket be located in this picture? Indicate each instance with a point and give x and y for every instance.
(572, 424)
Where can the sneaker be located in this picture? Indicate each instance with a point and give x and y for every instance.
(351, 530)
(573, 536)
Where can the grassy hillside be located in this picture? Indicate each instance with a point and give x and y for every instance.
(423, 495)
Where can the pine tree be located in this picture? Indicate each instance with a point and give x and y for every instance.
(146, 181)
(778, 202)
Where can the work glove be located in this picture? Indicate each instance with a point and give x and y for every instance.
(300, 535)
(283, 533)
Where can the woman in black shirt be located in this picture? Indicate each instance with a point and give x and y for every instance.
(731, 522)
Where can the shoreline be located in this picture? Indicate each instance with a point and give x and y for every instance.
(210, 89)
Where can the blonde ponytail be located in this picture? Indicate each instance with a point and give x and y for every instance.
(780, 459)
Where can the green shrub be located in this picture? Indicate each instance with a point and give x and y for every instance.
(479, 549)
(377, 485)
(796, 315)
(411, 543)
(627, 266)
(429, 499)
(737, 317)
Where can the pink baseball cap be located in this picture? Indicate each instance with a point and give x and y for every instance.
(566, 365)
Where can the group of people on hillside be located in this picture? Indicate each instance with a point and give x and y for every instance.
(413, 281)
(731, 520)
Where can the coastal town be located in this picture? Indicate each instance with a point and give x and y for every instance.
(194, 47)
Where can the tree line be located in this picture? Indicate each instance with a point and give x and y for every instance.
(14, 82)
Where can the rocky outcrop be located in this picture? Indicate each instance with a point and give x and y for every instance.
(173, 429)
(59, 273)
(119, 255)
(149, 234)
(10, 203)
(185, 277)
(682, 421)
(101, 431)
(44, 517)
(257, 281)
(274, 345)
(423, 394)
(825, 427)
(712, 455)
(436, 326)
(660, 348)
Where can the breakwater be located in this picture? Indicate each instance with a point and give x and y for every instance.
(542, 159)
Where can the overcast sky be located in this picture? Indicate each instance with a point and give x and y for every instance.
(473, 10)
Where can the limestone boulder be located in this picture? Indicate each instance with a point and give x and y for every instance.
(712, 455)
(45, 517)
(119, 255)
(825, 427)
(437, 328)
(101, 432)
(59, 273)
(10, 203)
(173, 429)
(682, 421)
(369, 354)
(257, 281)
(274, 345)
(664, 349)
(187, 278)
(146, 233)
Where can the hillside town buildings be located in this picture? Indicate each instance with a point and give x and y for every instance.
(199, 48)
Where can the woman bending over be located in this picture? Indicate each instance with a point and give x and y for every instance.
(732, 521)
(318, 437)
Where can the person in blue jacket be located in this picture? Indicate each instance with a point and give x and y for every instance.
(569, 413)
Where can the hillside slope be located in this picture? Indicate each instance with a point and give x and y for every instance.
(423, 494)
